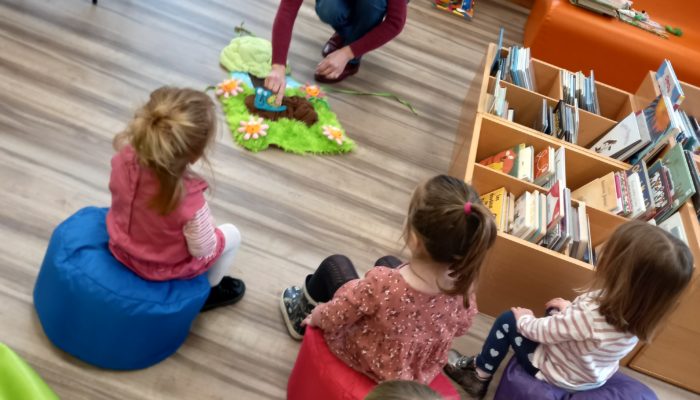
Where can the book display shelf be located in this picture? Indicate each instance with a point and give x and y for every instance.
(521, 273)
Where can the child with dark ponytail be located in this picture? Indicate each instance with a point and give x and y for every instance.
(398, 322)
(159, 223)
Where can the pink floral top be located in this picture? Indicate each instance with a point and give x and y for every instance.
(387, 330)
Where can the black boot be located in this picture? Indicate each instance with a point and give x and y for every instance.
(296, 304)
(462, 369)
(227, 292)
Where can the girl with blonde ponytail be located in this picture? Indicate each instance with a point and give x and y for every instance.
(159, 223)
(398, 322)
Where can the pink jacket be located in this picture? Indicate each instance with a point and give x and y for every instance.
(150, 244)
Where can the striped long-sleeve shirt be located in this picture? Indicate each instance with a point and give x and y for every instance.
(200, 234)
(578, 349)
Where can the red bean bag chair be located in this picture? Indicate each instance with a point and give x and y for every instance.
(319, 374)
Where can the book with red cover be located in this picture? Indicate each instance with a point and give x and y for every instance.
(505, 161)
(544, 167)
(555, 200)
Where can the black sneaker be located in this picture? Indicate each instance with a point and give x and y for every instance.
(227, 292)
(295, 305)
(462, 369)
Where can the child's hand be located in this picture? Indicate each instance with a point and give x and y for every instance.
(308, 321)
(520, 312)
(276, 82)
(558, 303)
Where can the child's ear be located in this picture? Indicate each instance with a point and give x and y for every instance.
(415, 244)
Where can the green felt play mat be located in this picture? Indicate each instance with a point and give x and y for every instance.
(307, 127)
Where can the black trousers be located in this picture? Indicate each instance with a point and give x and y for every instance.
(334, 272)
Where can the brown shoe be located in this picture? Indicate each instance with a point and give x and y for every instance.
(333, 44)
(462, 369)
(350, 69)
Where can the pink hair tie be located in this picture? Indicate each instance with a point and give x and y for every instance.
(468, 207)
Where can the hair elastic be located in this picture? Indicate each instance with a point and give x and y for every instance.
(468, 207)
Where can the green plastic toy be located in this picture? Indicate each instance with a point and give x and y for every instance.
(19, 381)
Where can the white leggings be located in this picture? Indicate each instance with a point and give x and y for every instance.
(221, 266)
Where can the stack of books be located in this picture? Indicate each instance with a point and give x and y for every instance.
(548, 220)
(669, 86)
(561, 121)
(580, 91)
(543, 168)
(517, 162)
(643, 136)
(645, 193)
(605, 7)
(496, 102)
(515, 65)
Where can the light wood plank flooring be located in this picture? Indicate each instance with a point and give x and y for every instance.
(70, 77)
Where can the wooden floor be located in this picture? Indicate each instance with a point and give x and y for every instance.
(70, 77)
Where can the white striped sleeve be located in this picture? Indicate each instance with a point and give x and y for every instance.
(572, 324)
(200, 234)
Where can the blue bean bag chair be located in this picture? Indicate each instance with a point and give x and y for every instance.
(94, 308)
(517, 384)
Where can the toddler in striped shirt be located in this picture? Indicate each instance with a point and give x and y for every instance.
(159, 224)
(642, 272)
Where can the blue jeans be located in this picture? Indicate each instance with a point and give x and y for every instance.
(351, 19)
(504, 334)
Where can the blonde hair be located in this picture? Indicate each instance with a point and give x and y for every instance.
(402, 390)
(168, 133)
(449, 234)
(641, 274)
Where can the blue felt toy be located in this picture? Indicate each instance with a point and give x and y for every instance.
(263, 101)
(94, 308)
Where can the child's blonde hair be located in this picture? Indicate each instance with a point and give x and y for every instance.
(453, 225)
(402, 390)
(641, 273)
(170, 132)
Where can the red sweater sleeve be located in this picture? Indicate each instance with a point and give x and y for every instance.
(282, 29)
(386, 30)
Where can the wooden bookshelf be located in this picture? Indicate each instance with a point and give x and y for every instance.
(520, 273)
(674, 354)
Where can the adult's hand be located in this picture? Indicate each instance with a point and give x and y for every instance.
(276, 82)
(334, 64)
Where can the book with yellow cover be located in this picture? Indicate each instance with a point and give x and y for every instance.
(601, 193)
(496, 202)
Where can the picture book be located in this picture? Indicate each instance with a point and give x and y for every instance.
(669, 84)
(640, 169)
(544, 165)
(601, 193)
(661, 124)
(523, 223)
(555, 204)
(498, 56)
(495, 201)
(621, 140)
(695, 174)
(681, 180)
(661, 188)
(505, 161)
(674, 225)
(636, 195)
(526, 160)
